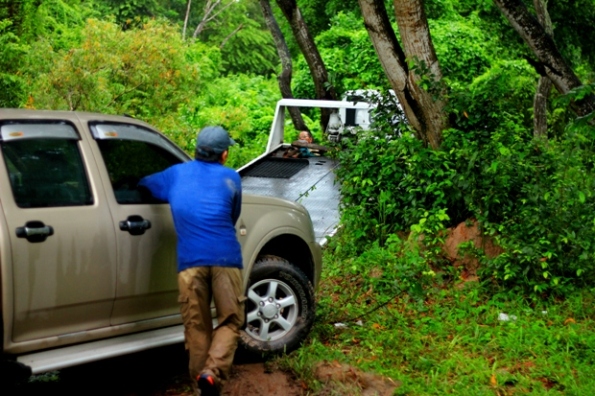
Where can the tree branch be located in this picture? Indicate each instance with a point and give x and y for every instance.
(186, 19)
(544, 48)
(230, 35)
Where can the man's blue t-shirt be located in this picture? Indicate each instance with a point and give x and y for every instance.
(205, 200)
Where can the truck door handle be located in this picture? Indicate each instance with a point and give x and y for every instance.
(135, 225)
(34, 231)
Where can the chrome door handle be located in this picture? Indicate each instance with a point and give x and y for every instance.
(34, 231)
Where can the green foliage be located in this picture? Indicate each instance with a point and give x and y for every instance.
(113, 71)
(11, 53)
(244, 40)
(319, 14)
(574, 35)
(244, 105)
(349, 56)
(462, 47)
(131, 13)
(389, 183)
(444, 340)
(541, 212)
(533, 197)
(503, 95)
(59, 21)
(249, 51)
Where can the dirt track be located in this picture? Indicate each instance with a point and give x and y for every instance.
(160, 372)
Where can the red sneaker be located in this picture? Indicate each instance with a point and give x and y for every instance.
(207, 386)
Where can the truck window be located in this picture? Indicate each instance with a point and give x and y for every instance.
(131, 152)
(46, 172)
(127, 161)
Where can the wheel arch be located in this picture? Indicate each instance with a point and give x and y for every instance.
(293, 249)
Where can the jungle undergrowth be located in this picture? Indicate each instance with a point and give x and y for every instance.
(447, 336)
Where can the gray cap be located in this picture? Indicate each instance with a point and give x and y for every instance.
(214, 138)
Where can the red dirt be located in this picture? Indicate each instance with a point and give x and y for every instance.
(254, 379)
(159, 372)
(465, 232)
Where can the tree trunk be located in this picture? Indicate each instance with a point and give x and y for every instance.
(544, 48)
(544, 85)
(417, 42)
(186, 17)
(424, 113)
(284, 78)
(322, 86)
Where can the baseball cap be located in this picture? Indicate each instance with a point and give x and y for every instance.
(214, 138)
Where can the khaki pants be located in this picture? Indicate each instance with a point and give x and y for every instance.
(211, 351)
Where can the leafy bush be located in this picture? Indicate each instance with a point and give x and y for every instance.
(172, 84)
(463, 48)
(545, 220)
(503, 95)
(12, 86)
(117, 72)
(244, 105)
(534, 197)
(389, 181)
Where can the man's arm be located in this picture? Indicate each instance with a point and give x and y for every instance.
(157, 184)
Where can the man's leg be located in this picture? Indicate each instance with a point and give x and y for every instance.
(229, 301)
(195, 305)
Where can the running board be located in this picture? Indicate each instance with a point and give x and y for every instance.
(60, 358)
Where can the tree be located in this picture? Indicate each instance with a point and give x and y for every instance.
(12, 53)
(284, 77)
(551, 63)
(320, 13)
(116, 71)
(414, 73)
(323, 87)
(211, 10)
(544, 85)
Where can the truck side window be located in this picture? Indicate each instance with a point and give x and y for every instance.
(46, 172)
(128, 161)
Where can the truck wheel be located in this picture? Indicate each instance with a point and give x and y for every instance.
(279, 307)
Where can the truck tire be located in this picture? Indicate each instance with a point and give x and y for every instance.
(280, 307)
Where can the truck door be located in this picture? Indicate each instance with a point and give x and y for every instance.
(146, 286)
(62, 239)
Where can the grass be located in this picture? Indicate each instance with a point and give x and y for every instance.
(449, 338)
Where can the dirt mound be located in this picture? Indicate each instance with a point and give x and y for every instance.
(255, 379)
(466, 232)
(348, 380)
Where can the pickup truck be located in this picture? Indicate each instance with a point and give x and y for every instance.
(87, 259)
(309, 181)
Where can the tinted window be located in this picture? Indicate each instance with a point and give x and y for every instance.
(46, 172)
(128, 161)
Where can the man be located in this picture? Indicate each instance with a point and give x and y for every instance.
(304, 147)
(205, 199)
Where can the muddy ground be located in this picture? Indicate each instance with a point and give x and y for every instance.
(160, 372)
(163, 372)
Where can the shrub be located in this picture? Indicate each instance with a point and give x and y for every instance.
(12, 86)
(534, 197)
(115, 71)
(244, 105)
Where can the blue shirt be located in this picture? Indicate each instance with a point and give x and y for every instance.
(205, 200)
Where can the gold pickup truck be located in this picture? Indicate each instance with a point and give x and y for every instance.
(88, 264)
